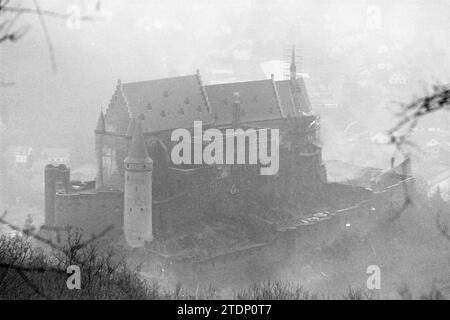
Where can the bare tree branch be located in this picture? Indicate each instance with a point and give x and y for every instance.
(6, 27)
(48, 39)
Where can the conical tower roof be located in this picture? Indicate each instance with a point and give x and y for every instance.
(138, 151)
(100, 123)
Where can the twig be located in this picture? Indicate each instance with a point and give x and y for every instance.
(411, 113)
(48, 39)
(20, 270)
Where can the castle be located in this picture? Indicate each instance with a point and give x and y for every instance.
(139, 189)
(189, 218)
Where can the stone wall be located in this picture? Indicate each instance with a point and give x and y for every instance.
(90, 211)
(263, 260)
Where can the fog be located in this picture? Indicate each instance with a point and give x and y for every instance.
(358, 59)
(137, 40)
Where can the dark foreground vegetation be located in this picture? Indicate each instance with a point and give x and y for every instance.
(29, 273)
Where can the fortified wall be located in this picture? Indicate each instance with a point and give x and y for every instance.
(262, 260)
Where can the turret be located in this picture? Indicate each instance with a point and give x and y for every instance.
(99, 134)
(138, 192)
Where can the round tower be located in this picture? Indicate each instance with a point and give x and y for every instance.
(99, 133)
(138, 192)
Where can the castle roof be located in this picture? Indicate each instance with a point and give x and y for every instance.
(299, 90)
(258, 99)
(166, 104)
(138, 151)
(288, 97)
(169, 103)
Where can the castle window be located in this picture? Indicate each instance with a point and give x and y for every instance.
(142, 209)
(186, 101)
(149, 106)
(181, 111)
(131, 209)
(163, 113)
(166, 94)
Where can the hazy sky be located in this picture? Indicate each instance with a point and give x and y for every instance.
(138, 40)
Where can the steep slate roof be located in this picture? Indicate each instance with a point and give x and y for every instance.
(286, 98)
(286, 92)
(168, 103)
(177, 102)
(258, 101)
(300, 88)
